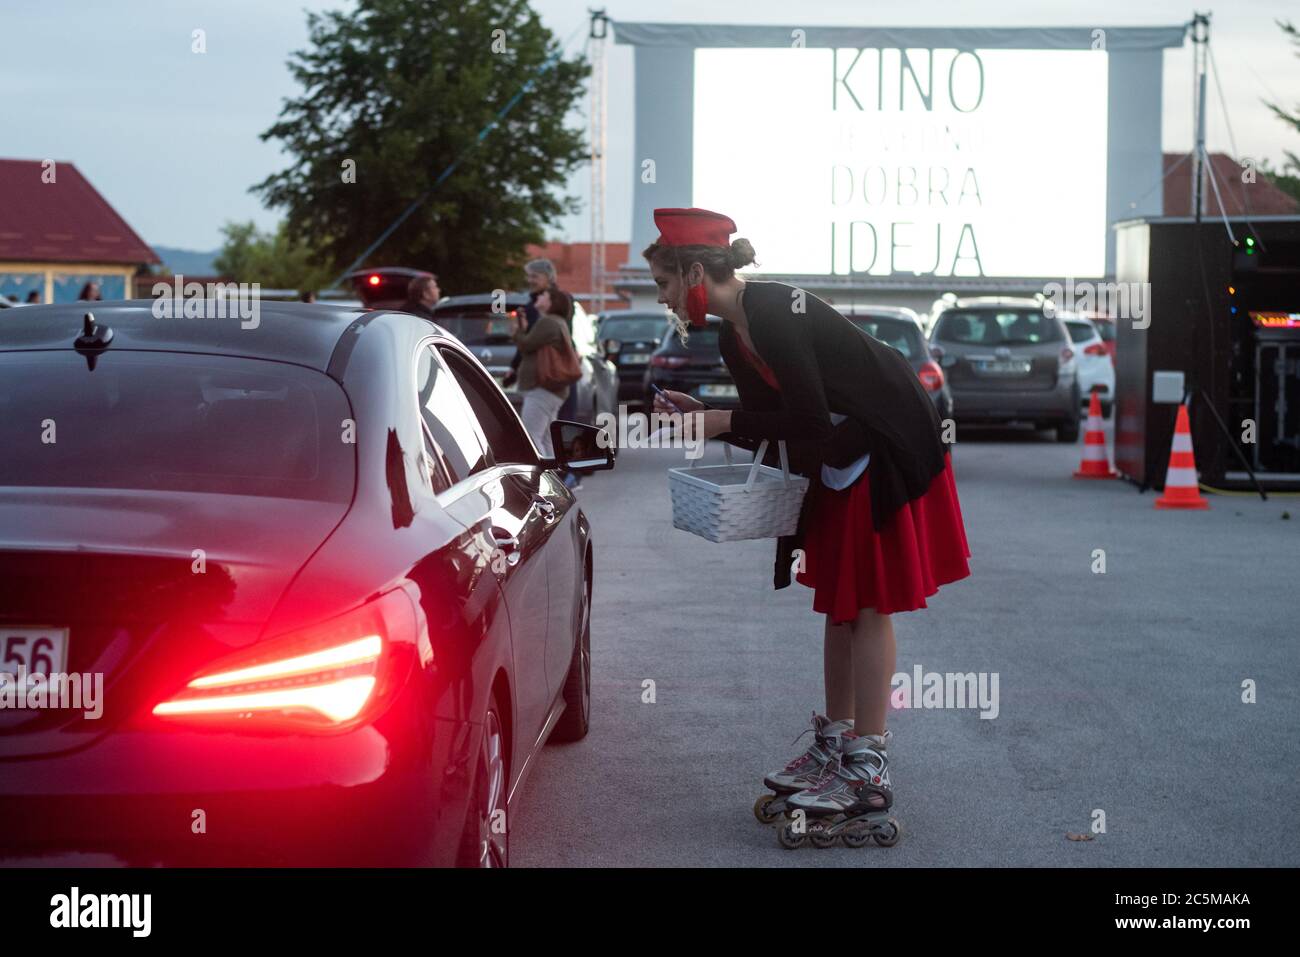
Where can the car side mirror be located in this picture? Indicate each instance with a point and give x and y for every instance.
(581, 446)
(611, 346)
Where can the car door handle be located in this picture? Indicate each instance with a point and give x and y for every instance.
(505, 544)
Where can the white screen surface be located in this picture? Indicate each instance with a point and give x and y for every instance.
(917, 162)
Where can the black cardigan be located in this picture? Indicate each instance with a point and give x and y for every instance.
(824, 363)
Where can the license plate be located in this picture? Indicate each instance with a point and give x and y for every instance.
(34, 650)
(1004, 366)
(718, 391)
(635, 358)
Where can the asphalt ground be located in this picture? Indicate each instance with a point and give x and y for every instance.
(1119, 694)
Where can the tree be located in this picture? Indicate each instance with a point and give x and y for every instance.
(396, 92)
(274, 260)
(1291, 119)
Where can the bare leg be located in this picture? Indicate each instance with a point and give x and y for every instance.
(837, 660)
(873, 668)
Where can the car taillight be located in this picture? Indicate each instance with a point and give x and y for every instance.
(374, 280)
(668, 362)
(1096, 349)
(322, 677)
(931, 376)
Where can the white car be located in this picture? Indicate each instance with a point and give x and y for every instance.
(1096, 371)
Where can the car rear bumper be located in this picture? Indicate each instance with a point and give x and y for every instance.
(986, 405)
(189, 798)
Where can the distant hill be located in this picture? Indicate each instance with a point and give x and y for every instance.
(188, 262)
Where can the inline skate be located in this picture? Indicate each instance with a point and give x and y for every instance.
(851, 802)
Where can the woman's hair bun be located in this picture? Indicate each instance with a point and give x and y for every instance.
(741, 254)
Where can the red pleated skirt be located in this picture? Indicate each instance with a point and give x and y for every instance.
(850, 566)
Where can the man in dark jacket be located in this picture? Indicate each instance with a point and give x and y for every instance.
(422, 294)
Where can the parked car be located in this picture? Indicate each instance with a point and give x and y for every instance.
(384, 287)
(487, 333)
(694, 367)
(628, 338)
(1096, 369)
(1106, 329)
(337, 600)
(901, 329)
(1006, 361)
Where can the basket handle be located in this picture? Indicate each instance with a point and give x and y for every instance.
(758, 460)
(726, 451)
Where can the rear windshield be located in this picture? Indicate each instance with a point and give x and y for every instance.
(479, 328)
(628, 329)
(173, 422)
(1106, 330)
(1081, 331)
(698, 340)
(902, 335)
(995, 327)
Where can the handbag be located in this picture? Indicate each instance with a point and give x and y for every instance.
(557, 365)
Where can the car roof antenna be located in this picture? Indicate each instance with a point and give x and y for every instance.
(93, 340)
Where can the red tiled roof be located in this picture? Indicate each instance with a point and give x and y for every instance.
(64, 221)
(1260, 198)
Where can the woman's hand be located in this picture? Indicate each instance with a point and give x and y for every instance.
(683, 402)
(714, 422)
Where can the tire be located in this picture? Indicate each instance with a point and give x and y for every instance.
(575, 722)
(480, 845)
(1106, 408)
(1068, 431)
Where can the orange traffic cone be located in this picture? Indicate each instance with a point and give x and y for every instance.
(1181, 490)
(1094, 464)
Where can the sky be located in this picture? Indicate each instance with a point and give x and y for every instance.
(172, 139)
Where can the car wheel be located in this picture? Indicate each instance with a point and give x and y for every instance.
(1068, 431)
(1106, 408)
(486, 839)
(576, 719)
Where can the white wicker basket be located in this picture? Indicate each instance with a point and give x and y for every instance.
(731, 503)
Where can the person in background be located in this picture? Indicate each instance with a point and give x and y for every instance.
(541, 405)
(90, 292)
(33, 298)
(540, 274)
(422, 295)
(308, 295)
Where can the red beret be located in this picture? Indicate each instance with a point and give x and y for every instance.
(693, 227)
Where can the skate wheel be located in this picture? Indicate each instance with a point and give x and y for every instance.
(823, 840)
(763, 809)
(856, 836)
(789, 839)
(887, 834)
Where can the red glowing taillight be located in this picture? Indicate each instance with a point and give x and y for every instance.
(931, 376)
(374, 280)
(1096, 349)
(668, 362)
(323, 677)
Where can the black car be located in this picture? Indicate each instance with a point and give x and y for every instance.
(901, 329)
(483, 323)
(694, 367)
(335, 600)
(628, 338)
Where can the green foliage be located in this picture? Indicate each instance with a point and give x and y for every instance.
(273, 259)
(402, 88)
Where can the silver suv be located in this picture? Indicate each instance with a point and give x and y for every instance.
(1006, 360)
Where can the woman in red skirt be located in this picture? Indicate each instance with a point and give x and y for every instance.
(881, 527)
